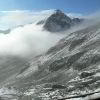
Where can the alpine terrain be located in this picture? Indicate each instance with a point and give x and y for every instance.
(69, 70)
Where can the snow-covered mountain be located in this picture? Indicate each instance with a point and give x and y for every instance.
(70, 69)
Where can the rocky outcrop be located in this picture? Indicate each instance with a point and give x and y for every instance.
(5, 31)
(59, 21)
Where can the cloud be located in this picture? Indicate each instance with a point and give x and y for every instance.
(10, 19)
(27, 40)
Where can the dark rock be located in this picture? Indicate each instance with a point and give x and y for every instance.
(86, 74)
(76, 21)
(59, 21)
(57, 86)
(5, 31)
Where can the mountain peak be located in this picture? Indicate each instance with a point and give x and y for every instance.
(58, 21)
(57, 11)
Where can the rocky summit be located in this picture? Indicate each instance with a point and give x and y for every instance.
(59, 21)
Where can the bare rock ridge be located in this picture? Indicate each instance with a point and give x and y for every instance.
(59, 21)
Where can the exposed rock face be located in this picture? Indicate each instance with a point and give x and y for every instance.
(60, 22)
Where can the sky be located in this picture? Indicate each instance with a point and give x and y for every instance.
(75, 6)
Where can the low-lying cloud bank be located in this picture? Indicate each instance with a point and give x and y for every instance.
(27, 40)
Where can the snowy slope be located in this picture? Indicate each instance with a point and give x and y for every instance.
(70, 68)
